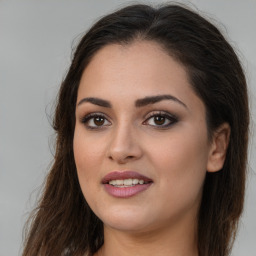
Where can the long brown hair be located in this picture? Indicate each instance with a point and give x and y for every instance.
(63, 223)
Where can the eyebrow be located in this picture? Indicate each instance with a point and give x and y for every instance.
(96, 101)
(154, 99)
(138, 103)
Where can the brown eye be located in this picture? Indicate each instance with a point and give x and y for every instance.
(95, 121)
(98, 121)
(159, 120)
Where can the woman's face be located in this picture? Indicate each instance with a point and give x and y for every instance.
(140, 144)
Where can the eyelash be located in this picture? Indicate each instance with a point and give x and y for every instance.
(172, 119)
(91, 116)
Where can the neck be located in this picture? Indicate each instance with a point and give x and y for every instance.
(176, 239)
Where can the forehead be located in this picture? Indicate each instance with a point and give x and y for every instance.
(134, 71)
(133, 64)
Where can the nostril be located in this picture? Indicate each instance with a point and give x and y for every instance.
(124, 152)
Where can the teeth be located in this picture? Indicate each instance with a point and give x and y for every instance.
(112, 182)
(126, 182)
(135, 181)
(119, 182)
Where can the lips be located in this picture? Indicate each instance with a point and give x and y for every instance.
(123, 175)
(124, 184)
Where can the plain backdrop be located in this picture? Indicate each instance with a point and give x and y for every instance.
(36, 39)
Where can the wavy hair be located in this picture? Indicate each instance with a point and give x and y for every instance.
(63, 223)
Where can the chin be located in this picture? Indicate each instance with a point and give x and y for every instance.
(127, 220)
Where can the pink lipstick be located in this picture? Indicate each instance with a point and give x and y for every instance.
(124, 184)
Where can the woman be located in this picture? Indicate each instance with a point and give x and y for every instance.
(152, 125)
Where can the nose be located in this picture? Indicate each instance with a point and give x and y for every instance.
(124, 145)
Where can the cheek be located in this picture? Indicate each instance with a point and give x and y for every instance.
(180, 151)
(87, 150)
(87, 158)
(181, 163)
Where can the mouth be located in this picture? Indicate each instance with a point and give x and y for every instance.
(125, 184)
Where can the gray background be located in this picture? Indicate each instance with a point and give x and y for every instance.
(35, 49)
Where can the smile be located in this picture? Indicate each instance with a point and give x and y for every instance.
(127, 182)
(124, 184)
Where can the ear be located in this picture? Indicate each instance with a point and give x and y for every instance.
(218, 149)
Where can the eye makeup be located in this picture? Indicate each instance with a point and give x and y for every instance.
(160, 119)
(95, 120)
(155, 119)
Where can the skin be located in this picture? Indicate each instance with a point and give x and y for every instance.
(162, 219)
